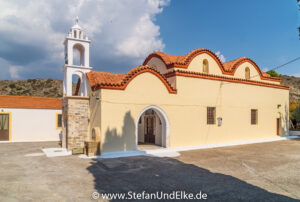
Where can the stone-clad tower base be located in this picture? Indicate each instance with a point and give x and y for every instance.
(76, 122)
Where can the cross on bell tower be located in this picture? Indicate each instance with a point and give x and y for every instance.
(76, 42)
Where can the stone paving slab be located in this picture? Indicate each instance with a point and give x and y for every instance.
(256, 172)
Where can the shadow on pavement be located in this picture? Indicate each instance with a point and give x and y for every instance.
(153, 174)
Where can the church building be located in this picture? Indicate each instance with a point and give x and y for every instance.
(170, 101)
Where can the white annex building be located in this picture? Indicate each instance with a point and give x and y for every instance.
(30, 119)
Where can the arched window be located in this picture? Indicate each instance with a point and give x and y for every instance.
(247, 73)
(205, 66)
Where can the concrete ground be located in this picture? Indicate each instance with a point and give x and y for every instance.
(256, 172)
(142, 146)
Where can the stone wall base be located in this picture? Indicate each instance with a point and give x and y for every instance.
(76, 122)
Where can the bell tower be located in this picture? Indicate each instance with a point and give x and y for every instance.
(75, 129)
(76, 64)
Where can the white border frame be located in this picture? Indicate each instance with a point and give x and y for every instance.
(165, 127)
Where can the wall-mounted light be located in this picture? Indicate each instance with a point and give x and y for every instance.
(278, 106)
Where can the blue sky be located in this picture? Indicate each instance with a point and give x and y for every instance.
(265, 31)
(124, 32)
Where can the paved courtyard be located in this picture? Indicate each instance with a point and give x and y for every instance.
(256, 172)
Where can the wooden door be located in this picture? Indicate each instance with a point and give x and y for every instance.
(4, 127)
(149, 129)
(278, 127)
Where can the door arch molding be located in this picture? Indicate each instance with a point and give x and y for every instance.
(165, 124)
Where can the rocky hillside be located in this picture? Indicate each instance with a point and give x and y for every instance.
(32, 87)
(53, 88)
(294, 84)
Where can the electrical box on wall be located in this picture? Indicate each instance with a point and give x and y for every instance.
(219, 121)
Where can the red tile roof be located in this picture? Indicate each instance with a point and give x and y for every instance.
(177, 60)
(265, 74)
(229, 68)
(107, 80)
(233, 64)
(28, 102)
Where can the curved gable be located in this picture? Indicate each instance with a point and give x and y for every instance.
(205, 63)
(247, 70)
(182, 61)
(142, 69)
(193, 61)
(237, 69)
(145, 84)
(105, 80)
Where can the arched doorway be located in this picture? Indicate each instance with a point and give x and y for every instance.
(152, 127)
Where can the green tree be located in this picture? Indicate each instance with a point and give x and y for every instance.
(296, 113)
(273, 73)
(293, 106)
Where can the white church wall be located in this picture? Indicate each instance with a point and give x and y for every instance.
(29, 125)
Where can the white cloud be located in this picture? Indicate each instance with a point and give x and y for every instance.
(122, 32)
(265, 69)
(221, 57)
(14, 71)
(142, 41)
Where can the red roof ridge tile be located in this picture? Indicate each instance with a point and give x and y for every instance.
(228, 65)
(186, 73)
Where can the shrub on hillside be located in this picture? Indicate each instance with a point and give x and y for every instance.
(296, 113)
(273, 73)
(12, 85)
